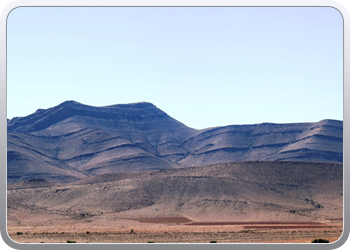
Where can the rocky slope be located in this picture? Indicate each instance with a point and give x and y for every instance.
(227, 191)
(72, 141)
(321, 141)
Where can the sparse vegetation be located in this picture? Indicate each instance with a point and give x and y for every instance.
(320, 241)
(110, 227)
(205, 234)
(246, 231)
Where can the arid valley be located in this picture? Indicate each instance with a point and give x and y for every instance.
(233, 202)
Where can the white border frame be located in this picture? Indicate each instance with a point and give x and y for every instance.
(170, 3)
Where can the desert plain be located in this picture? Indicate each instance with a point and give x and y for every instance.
(129, 231)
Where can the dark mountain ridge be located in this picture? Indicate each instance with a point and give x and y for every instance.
(137, 116)
(72, 141)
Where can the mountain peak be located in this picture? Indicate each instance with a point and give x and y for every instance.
(70, 102)
(71, 115)
(135, 105)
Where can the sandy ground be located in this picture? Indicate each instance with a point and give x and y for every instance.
(175, 230)
(177, 235)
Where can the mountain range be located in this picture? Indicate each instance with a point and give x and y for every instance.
(73, 141)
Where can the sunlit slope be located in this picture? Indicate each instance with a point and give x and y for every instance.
(250, 190)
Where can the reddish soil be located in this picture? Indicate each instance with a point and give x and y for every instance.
(109, 229)
(286, 227)
(165, 220)
(252, 223)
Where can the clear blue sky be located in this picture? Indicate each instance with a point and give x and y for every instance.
(203, 66)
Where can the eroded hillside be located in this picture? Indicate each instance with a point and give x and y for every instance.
(73, 141)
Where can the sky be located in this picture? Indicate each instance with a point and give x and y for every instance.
(204, 66)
